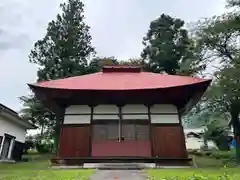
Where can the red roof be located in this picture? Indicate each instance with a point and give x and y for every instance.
(121, 78)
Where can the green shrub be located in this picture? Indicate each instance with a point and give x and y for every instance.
(222, 154)
(213, 153)
(44, 148)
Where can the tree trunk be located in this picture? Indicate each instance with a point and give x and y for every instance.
(205, 142)
(57, 134)
(236, 131)
(41, 133)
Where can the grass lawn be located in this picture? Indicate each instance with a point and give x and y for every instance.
(211, 168)
(38, 170)
(202, 174)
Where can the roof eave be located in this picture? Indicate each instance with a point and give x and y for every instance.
(34, 86)
(14, 114)
(196, 99)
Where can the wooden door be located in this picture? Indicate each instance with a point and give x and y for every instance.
(133, 140)
(105, 140)
(168, 141)
(136, 140)
(75, 142)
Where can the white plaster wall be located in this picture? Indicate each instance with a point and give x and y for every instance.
(110, 109)
(113, 110)
(135, 117)
(77, 118)
(135, 108)
(6, 126)
(105, 117)
(77, 109)
(163, 108)
(171, 118)
(164, 118)
(106, 109)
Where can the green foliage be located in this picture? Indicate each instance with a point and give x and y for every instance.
(136, 62)
(233, 3)
(169, 49)
(203, 114)
(44, 147)
(97, 63)
(62, 53)
(219, 38)
(218, 133)
(65, 49)
(224, 95)
(36, 113)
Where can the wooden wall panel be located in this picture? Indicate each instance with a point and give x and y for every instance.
(75, 141)
(168, 141)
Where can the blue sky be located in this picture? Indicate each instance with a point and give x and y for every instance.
(117, 29)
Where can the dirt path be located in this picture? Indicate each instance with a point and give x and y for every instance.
(118, 175)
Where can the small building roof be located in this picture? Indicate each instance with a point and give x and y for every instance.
(13, 115)
(120, 78)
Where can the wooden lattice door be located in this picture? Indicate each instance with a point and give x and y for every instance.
(127, 140)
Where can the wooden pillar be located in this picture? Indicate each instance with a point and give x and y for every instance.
(150, 128)
(120, 124)
(182, 130)
(58, 128)
(91, 131)
(57, 133)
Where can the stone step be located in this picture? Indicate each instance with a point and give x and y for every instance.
(108, 166)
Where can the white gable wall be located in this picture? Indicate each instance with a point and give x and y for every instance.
(8, 127)
(160, 113)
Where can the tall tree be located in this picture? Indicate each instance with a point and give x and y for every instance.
(169, 49)
(96, 63)
(65, 49)
(135, 62)
(219, 38)
(33, 111)
(233, 3)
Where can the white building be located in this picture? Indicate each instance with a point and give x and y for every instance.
(194, 139)
(12, 134)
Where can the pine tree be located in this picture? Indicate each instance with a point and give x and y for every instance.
(63, 52)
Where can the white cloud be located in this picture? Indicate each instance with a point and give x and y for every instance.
(117, 28)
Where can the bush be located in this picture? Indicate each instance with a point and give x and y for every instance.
(28, 145)
(213, 153)
(223, 154)
(44, 148)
